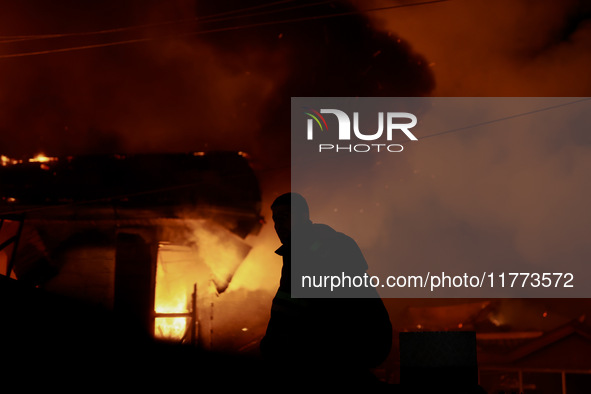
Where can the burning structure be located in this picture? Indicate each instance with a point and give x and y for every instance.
(150, 238)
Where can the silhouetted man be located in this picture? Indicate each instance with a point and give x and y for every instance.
(331, 341)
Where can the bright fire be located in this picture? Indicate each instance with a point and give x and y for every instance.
(235, 278)
(41, 158)
(170, 295)
(5, 161)
(208, 259)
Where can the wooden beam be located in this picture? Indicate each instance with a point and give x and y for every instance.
(7, 242)
(173, 314)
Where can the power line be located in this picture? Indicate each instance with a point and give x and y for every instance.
(509, 117)
(70, 49)
(208, 19)
(218, 30)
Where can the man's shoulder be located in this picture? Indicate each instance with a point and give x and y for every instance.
(342, 249)
(324, 231)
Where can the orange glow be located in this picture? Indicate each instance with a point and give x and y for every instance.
(5, 161)
(208, 256)
(4, 264)
(261, 269)
(172, 328)
(170, 296)
(41, 158)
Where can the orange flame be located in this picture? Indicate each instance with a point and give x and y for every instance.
(41, 158)
(6, 161)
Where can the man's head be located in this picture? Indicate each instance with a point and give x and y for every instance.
(290, 211)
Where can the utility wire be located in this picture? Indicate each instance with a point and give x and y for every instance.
(207, 18)
(509, 117)
(223, 29)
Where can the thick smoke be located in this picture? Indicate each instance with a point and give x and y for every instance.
(189, 92)
(520, 195)
(226, 90)
(502, 48)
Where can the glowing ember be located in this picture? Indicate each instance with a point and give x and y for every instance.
(6, 161)
(41, 158)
